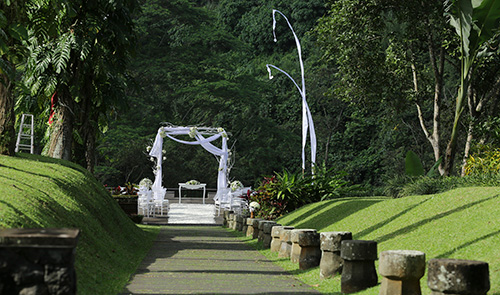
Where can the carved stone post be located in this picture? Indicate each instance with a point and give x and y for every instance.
(358, 272)
(460, 277)
(286, 244)
(331, 262)
(266, 233)
(305, 248)
(401, 271)
(276, 235)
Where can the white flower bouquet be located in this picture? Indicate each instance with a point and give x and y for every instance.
(236, 185)
(146, 182)
(254, 205)
(193, 182)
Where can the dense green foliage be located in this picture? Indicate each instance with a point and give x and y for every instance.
(378, 83)
(460, 224)
(40, 192)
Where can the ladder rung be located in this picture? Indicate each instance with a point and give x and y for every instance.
(25, 132)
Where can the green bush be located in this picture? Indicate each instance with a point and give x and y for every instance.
(403, 186)
(287, 191)
(486, 160)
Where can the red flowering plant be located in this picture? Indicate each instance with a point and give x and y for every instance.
(272, 204)
(127, 189)
(286, 191)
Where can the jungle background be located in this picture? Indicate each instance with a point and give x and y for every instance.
(382, 79)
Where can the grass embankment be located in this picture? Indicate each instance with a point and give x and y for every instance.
(462, 224)
(39, 192)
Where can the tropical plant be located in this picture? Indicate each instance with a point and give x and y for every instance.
(287, 191)
(83, 60)
(476, 23)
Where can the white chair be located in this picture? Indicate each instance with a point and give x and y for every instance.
(231, 200)
(145, 204)
(238, 203)
(159, 200)
(222, 200)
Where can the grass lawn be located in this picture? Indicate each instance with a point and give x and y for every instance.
(40, 192)
(462, 224)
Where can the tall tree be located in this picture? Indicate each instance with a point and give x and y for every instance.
(13, 22)
(84, 63)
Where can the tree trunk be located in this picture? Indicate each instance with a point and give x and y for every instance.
(7, 118)
(451, 150)
(91, 129)
(437, 63)
(61, 135)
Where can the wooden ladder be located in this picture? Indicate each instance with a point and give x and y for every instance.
(26, 131)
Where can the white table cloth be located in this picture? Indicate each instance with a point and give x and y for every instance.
(192, 187)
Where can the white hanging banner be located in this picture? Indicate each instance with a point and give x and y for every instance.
(197, 133)
(307, 121)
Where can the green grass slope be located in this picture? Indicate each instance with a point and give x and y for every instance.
(39, 192)
(462, 224)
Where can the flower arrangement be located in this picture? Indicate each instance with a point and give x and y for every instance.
(193, 182)
(192, 132)
(236, 185)
(163, 133)
(146, 182)
(254, 205)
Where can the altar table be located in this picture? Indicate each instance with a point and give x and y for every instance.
(193, 187)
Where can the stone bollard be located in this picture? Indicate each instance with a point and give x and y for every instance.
(38, 261)
(460, 277)
(358, 272)
(225, 222)
(276, 237)
(262, 223)
(331, 263)
(266, 229)
(401, 271)
(244, 228)
(255, 225)
(249, 223)
(239, 222)
(305, 248)
(286, 244)
(230, 220)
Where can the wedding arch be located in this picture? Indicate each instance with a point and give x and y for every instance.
(203, 136)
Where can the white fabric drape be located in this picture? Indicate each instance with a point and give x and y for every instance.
(222, 153)
(307, 121)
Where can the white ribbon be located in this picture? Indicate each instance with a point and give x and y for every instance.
(307, 121)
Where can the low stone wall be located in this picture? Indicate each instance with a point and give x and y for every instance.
(38, 261)
(128, 204)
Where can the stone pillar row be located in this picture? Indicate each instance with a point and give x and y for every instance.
(337, 253)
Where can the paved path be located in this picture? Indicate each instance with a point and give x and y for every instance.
(208, 260)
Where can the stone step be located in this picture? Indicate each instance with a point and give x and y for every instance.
(173, 200)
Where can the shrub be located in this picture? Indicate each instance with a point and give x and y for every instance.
(288, 191)
(485, 161)
(403, 186)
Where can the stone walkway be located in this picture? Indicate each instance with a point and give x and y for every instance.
(208, 260)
